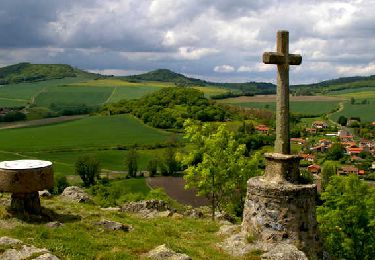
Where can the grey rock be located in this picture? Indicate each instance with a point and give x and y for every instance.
(5, 241)
(54, 224)
(164, 253)
(74, 193)
(45, 194)
(16, 250)
(23, 253)
(135, 207)
(112, 209)
(284, 252)
(228, 230)
(47, 256)
(113, 225)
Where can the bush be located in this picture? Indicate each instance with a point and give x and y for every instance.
(88, 168)
(131, 162)
(152, 167)
(60, 183)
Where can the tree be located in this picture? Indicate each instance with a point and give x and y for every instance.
(217, 166)
(152, 167)
(342, 120)
(329, 169)
(352, 101)
(131, 161)
(347, 218)
(336, 152)
(88, 168)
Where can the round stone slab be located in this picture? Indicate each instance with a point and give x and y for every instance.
(24, 164)
(25, 176)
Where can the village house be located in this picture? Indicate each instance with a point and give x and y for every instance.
(308, 157)
(347, 169)
(346, 138)
(262, 129)
(354, 150)
(365, 143)
(311, 130)
(325, 142)
(314, 169)
(319, 125)
(318, 148)
(298, 140)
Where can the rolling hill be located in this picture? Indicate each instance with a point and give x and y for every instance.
(27, 72)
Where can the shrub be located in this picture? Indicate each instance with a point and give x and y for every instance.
(88, 168)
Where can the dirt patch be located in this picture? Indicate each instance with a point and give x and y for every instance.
(174, 187)
(272, 98)
(45, 121)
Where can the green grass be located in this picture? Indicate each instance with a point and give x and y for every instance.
(301, 107)
(366, 111)
(80, 238)
(97, 132)
(73, 95)
(113, 160)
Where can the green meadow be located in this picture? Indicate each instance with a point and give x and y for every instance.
(300, 107)
(102, 136)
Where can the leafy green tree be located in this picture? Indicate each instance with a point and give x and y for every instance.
(152, 167)
(342, 120)
(336, 152)
(131, 161)
(347, 218)
(88, 168)
(352, 101)
(329, 169)
(217, 166)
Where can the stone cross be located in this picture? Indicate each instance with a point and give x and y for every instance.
(283, 59)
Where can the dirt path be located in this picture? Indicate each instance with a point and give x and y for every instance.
(44, 121)
(174, 187)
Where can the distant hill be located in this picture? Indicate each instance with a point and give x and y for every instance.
(27, 72)
(336, 84)
(166, 75)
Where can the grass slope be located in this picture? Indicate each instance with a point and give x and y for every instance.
(80, 238)
(92, 132)
(300, 107)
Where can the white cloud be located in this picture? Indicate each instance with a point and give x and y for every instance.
(334, 37)
(224, 68)
(191, 53)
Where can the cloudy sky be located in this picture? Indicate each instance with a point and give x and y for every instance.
(220, 40)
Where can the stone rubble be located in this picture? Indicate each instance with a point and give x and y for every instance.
(164, 253)
(54, 224)
(113, 225)
(77, 194)
(14, 249)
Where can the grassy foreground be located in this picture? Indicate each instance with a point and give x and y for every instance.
(80, 238)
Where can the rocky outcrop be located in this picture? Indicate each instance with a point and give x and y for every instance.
(14, 249)
(135, 207)
(149, 208)
(113, 225)
(77, 194)
(284, 252)
(164, 253)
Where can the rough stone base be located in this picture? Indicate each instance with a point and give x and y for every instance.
(282, 212)
(26, 203)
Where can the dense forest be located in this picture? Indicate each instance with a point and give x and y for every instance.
(170, 107)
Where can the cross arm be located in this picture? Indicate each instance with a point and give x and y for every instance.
(278, 58)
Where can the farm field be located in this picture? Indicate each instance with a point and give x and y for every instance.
(97, 132)
(300, 107)
(64, 142)
(366, 112)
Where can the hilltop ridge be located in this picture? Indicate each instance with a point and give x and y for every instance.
(27, 72)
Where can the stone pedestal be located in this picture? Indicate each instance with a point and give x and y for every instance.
(24, 178)
(26, 203)
(278, 209)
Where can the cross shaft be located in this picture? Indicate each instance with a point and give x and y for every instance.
(283, 59)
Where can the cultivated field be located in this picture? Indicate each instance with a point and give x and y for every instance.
(299, 104)
(64, 142)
